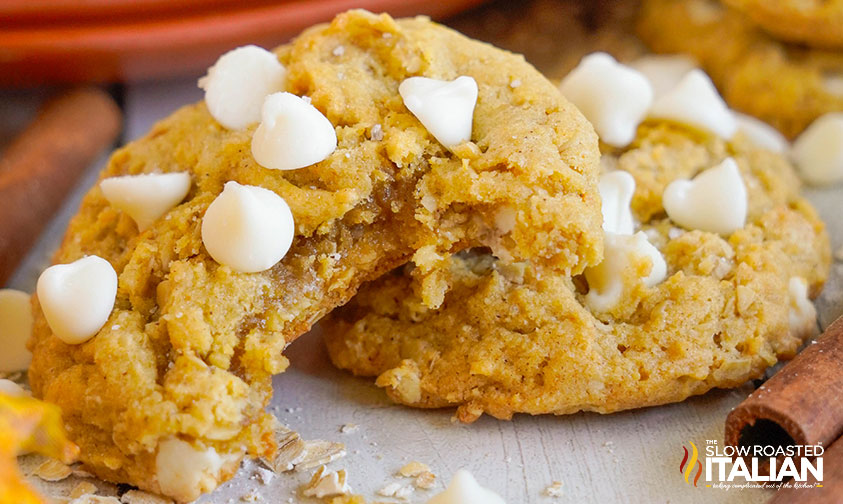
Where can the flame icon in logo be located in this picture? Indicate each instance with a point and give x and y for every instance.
(686, 467)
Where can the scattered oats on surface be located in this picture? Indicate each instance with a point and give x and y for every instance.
(141, 497)
(349, 428)
(425, 480)
(81, 473)
(291, 451)
(85, 487)
(389, 490)
(264, 475)
(325, 483)
(52, 470)
(396, 490)
(252, 496)
(320, 452)
(413, 469)
(95, 499)
(404, 492)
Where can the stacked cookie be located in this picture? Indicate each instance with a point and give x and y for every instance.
(710, 260)
(778, 60)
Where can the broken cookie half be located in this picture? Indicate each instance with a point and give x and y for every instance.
(167, 391)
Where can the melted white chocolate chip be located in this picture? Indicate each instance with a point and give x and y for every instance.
(664, 71)
(694, 101)
(235, 87)
(77, 298)
(612, 96)
(292, 134)
(616, 190)
(247, 228)
(185, 472)
(608, 280)
(15, 328)
(464, 489)
(445, 108)
(818, 152)
(761, 134)
(146, 197)
(802, 316)
(714, 201)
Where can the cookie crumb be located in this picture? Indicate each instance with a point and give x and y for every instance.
(349, 428)
(413, 469)
(325, 483)
(396, 490)
(252, 496)
(425, 480)
(554, 489)
(82, 488)
(838, 254)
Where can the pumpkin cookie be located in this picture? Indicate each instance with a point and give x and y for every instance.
(787, 86)
(722, 308)
(169, 394)
(815, 22)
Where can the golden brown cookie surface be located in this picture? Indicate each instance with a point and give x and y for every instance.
(508, 340)
(813, 22)
(787, 86)
(188, 352)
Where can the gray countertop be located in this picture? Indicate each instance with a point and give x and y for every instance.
(632, 456)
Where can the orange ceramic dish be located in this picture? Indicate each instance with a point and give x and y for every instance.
(98, 40)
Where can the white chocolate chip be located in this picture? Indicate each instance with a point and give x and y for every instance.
(714, 201)
(616, 190)
(761, 134)
(77, 298)
(146, 197)
(445, 108)
(464, 489)
(11, 388)
(818, 152)
(695, 101)
(664, 71)
(15, 328)
(292, 134)
(235, 87)
(607, 282)
(612, 96)
(802, 316)
(185, 472)
(247, 228)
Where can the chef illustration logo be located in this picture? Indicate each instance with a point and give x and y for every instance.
(686, 467)
(798, 466)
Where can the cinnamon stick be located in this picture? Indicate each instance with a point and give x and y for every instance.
(802, 404)
(42, 164)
